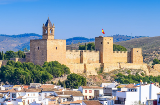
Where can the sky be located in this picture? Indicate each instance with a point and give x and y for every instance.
(81, 18)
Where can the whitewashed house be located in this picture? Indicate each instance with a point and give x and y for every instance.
(90, 92)
(136, 93)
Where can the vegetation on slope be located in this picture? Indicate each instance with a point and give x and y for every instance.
(73, 81)
(26, 73)
(135, 78)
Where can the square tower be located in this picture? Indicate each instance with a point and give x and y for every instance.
(105, 47)
(47, 49)
(136, 55)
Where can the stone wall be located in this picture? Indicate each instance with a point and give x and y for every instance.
(38, 51)
(120, 56)
(88, 56)
(56, 50)
(91, 69)
(107, 67)
(76, 68)
(156, 67)
(73, 56)
(1, 63)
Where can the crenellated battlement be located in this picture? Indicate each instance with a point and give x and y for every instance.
(73, 50)
(120, 51)
(82, 50)
(90, 51)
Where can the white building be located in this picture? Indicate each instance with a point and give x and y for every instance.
(90, 92)
(136, 93)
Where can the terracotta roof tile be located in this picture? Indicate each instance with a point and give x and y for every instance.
(87, 102)
(47, 86)
(25, 90)
(20, 97)
(67, 102)
(130, 86)
(91, 87)
(78, 101)
(73, 93)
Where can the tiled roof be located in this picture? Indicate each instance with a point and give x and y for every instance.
(78, 101)
(20, 97)
(52, 97)
(49, 89)
(91, 87)
(4, 91)
(67, 102)
(73, 93)
(130, 86)
(87, 102)
(47, 86)
(25, 90)
(48, 22)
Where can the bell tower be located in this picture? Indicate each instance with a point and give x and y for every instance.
(48, 30)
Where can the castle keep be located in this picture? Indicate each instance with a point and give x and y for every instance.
(82, 61)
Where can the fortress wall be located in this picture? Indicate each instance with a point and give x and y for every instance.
(73, 56)
(56, 50)
(22, 60)
(135, 66)
(76, 68)
(4, 62)
(156, 67)
(28, 57)
(90, 56)
(120, 56)
(91, 69)
(107, 67)
(1, 63)
(14, 59)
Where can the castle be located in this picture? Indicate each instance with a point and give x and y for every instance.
(82, 61)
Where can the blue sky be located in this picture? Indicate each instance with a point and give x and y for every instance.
(84, 18)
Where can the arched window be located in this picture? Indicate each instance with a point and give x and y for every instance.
(38, 48)
(51, 31)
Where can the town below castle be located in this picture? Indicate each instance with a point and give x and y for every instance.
(86, 62)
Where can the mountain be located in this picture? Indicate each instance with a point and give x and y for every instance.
(150, 47)
(19, 42)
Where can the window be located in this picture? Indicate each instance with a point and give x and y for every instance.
(38, 48)
(34, 94)
(107, 42)
(28, 94)
(85, 91)
(13, 95)
(90, 97)
(90, 91)
(33, 100)
(56, 48)
(28, 101)
(85, 97)
(129, 90)
(135, 90)
(101, 42)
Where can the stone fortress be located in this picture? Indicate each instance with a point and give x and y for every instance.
(82, 61)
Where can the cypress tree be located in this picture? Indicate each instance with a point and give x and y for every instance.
(2, 56)
(85, 46)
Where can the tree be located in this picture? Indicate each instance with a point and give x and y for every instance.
(2, 56)
(155, 61)
(75, 80)
(85, 46)
(118, 48)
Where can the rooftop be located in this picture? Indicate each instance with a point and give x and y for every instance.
(91, 87)
(87, 102)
